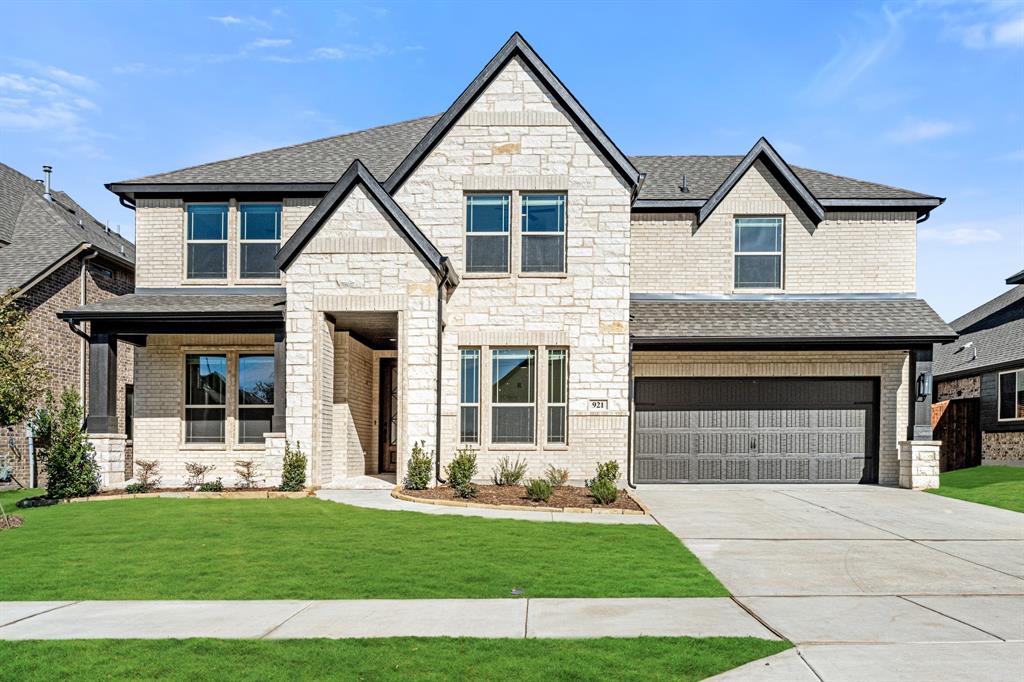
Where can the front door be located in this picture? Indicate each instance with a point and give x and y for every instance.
(387, 436)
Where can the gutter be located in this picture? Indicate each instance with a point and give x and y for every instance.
(629, 423)
(448, 277)
(82, 347)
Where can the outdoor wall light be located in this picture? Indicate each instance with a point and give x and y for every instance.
(924, 385)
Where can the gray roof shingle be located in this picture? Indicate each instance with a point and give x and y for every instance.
(760, 320)
(995, 331)
(146, 305)
(383, 148)
(38, 233)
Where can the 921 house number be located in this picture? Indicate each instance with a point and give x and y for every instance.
(599, 404)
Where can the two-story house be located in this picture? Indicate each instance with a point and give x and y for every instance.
(502, 276)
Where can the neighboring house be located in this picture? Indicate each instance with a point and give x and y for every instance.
(981, 375)
(502, 276)
(57, 256)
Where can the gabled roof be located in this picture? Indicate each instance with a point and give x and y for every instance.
(515, 46)
(995, 332)
(37, 234)
(764, 152)
(1016, 279)
(358, 174)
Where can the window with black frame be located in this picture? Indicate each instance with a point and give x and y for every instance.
(255, 397)
(206, 241)
(206, 381)
(259, 240)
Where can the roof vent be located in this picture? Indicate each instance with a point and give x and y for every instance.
(46, 183)
(685, 187)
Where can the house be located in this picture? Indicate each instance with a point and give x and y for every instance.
(979, 383)
(56, 256)
(502, 276)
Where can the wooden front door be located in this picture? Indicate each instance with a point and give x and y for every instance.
(387, 436)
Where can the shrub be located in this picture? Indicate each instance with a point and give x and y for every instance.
(212, 486)
(22, 372)
(604, 491)
(197, 473)
(461, 470)
(148, 473)
(606, 471)
(135, 488)
(71, 469)
(419, 472)
(539, 489)
(247, 471)
(293, 468)
(556, 476)
(508, 472)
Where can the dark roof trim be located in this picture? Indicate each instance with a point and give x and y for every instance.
(688, 205)
(1016, 279)
(357, 173)
(515, 46)
(924, 202)
(779, 168)
(131, 190)
(788, 342)
(238, 316)
(981, 369)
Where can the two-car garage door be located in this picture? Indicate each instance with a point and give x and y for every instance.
(752, 430)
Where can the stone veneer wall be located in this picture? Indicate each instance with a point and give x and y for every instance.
(1006, 447)
(889, 366)
(847, 252)
(515, 137)
(954, 389)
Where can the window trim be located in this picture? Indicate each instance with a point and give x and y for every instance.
(1019, 374)
(563, 233)
(781, 253)
(479, 379)
(494, 404)
(226, 242)
(507, 234)
(242, 241)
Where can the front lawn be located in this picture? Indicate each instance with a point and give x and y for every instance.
(383, 659)
(991, 485)
(314, 549)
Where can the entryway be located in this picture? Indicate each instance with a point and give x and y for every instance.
(387, 419)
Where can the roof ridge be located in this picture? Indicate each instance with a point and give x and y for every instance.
(276, 149)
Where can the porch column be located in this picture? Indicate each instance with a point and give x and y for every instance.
(277, 421)
(102, 417)
(919, 454)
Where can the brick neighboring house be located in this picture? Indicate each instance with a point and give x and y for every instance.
(981, 375)
(502, 276)
(57, 256)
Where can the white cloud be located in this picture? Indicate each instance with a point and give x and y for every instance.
(142, 68)
(959, 235)
(1009, 33)
(1016, 155)
(249, 22)
(916, 131)
(349, 51)
(227, 20)
(270, 43)
(980, 25)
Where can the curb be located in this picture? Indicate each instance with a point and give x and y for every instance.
(397, 493)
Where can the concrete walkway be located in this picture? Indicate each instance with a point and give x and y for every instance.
(507, 618)
(869, 582)
(381, 499)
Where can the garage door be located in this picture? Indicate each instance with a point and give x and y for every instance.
(756, 430)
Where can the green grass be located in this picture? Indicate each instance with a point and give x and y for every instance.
(647, 659)
(314, 549)
(991, 485)
(9, 497)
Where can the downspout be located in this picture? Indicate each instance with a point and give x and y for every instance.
(442, 283)
(126, 203)
(82, 348)
(629, 423)
(924, 218)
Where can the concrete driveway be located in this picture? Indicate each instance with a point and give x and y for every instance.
(869, 582)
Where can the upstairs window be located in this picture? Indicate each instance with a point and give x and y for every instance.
(758, 253)
(513, 378)
(207, 241)
(543, 232)
(487, 229)
(260, 238)
(1011, 395)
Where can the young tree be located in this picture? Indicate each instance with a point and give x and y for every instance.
(22, 374)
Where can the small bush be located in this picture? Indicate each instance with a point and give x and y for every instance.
(148, 474)
(247, 471)
(212, 486)
(461, 471)
(508, 472)
(555, 476)
(71, 469)
(293, 468)
(606, 471)
(420, 469)
(197, 473)
(135, 489)
(604, 491)
(539, 489)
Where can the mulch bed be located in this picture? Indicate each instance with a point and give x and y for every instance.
(564, 496)
(12, 521)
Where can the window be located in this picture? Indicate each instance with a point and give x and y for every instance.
(543, 232)
(487, 225)
(129, 410)
(758, 253)
(1011, 395)
(557, 375)
(255, 396)
(512, 382)
(260, 237)
(206, 378)
(207, 241)
(469, 395)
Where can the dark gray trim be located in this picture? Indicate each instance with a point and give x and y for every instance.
(131, 190)
(980, 369)
(792, 343)
(686, 205)
(515, 46)
(158, 315)
(919, 422)
(102, 417)
(211, 291)
(867, 296)
(277, 420)
(1016, 279)
(921, 206)
(924, 202)
(763, 149)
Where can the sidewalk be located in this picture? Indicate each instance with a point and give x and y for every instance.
(506, 618)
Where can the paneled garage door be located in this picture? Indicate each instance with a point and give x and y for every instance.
(756, 430)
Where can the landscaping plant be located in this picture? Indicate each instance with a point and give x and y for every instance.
(148, 475)
(508, 472)
(606, 471)
(293, 469)
(71, 469)
(461, 471)
(197, 473)
(212, 486)
(539, 489)
(604, 491)
(419, 471)
(247, 471)
(555, 476)
(22, 373)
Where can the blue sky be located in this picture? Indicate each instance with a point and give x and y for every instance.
(923, 95)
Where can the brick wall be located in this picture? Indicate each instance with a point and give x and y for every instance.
(847, 252)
